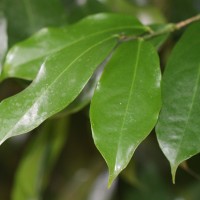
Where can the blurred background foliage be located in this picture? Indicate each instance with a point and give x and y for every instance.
(58, 160)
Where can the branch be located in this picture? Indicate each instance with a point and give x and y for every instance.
(173, 27)
(187, 21)
(169, 28)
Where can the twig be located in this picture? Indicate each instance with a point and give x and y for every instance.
(187, 21)
(173, 27)
(169, 28)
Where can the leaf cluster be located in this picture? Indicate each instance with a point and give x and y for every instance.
(112, 61)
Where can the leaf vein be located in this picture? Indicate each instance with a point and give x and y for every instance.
(83, 38)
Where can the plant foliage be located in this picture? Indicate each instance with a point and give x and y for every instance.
(126, 103)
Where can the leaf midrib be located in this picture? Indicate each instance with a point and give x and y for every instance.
(41, 95)
(129, 97)
(83, 38)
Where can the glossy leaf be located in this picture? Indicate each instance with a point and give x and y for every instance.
(24, 59)
(39, 159)
(60, 79)
(86, 94)
(179, 122)
(126, 103)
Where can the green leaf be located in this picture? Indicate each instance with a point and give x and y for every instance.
(28, 16)
(39, 159)
(25, 58)
(126, 103)
(86, 94)
(60, 79)
(179, 122)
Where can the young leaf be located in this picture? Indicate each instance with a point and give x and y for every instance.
(60, 79)
(179, 122)
(25, 58)
(126, 103)
(39, 160)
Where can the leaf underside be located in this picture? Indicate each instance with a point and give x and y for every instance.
(178, 126)
(126, 103)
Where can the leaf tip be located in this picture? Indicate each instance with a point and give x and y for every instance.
(113, 173)
(173, 172)
(111, 179)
